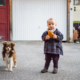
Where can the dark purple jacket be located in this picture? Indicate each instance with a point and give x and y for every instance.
(53, 46)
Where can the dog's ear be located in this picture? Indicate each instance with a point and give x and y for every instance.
(5, 43)
(12, 44)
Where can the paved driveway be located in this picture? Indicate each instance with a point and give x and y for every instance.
(30, 61)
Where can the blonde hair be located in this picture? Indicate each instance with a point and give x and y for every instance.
(53, 20)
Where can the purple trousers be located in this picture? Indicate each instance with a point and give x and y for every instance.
(54, 57)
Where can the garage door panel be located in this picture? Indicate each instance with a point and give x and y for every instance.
(30, 17)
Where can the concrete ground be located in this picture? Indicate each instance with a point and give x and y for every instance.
(30, 61)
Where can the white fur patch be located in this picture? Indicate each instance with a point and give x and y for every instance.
(12, 50)
(8, 61)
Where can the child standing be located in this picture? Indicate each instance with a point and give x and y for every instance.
(52, 46)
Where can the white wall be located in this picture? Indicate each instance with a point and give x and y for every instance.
(30, 17)
(76, 14)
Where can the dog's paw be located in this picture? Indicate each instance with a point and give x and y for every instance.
(10, 70)
(15, 66)
(6, 69)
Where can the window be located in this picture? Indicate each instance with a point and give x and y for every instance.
(76, 2)
(2, 2)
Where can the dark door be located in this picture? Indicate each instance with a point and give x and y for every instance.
(4, 20)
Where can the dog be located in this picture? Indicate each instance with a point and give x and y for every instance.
(9, 55)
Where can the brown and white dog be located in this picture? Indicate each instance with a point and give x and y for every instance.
(9, 55)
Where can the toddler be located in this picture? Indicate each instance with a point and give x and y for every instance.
(52, 46)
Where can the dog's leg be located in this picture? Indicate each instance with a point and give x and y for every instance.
(3, 59)
(11, 64)
(15, 64)
(6, 65)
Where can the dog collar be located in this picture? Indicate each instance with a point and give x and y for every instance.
(4, 51)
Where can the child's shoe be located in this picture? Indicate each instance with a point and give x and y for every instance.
(44, 70)
(55, 70)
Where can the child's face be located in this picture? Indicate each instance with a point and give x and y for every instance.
(51, 24)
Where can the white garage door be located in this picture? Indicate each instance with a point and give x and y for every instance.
(30, 17)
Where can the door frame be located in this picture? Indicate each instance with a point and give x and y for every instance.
(8, 21)
(10, 17)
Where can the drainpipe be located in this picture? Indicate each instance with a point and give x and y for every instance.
(70, 21)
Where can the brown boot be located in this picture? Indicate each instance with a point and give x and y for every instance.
(44, 70)
(55, 71)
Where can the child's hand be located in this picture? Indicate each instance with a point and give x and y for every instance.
(47, 37)
(55, 36)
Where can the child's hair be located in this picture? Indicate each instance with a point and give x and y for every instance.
(52, 19)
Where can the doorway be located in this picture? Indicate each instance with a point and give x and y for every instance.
(4, 20)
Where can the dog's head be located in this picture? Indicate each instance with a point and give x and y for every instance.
(8, 47)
